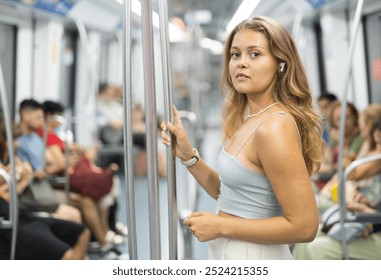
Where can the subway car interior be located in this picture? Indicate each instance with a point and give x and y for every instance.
(105, 74)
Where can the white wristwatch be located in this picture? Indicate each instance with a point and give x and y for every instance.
(192, 160)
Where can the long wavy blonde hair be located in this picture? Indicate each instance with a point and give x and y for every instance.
(291, 89)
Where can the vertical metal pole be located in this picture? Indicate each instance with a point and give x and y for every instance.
(84, 39)
(13, 209)
(343, 210)
(151, 121)
(190, 185)
(127, 132)
(168, 103)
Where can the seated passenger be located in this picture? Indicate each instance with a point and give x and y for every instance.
(110, 115)
(367, 119)
(368, 246)
(37, 238)
(325, 101)
(31, 149)
(325, 247)
(352, 142)
(40, 238)
(86, 178)
(352, 137)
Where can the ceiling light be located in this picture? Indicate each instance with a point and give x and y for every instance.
(175, 33)
(214, 46)
(242, 13)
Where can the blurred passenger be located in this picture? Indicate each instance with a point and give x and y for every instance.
(31, 149)
(110, 115)
(352, 137)
(324, 247)
(370, 169)
(352, 142)
(328, 195)
(84, 172)
(324, 102)
(41, 238)
(272, 144)
(367, 119)
(37, 238)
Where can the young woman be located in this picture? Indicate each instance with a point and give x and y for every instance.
(272, 144)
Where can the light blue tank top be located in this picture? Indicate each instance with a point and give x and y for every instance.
(244, 192)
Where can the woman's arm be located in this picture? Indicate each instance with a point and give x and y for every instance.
(207, 177)
(278, 149)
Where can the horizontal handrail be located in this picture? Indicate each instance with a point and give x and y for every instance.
(342, 196)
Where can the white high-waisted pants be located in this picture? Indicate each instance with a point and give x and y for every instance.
(231, 249)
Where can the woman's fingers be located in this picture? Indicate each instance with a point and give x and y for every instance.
(176, 115)
(166, 139)
(163, 126)
(187, 222)
(196, 214)
(176, 131)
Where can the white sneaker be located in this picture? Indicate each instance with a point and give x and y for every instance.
(112, 237)
(121, 228)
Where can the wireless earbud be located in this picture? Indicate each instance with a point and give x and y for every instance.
(282, 65)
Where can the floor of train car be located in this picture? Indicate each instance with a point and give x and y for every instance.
(197, 250)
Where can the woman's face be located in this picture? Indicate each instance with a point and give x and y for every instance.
(350, 121)
(252, 67)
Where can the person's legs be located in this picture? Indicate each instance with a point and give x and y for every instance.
(327, 248)
(50, 239)
(366, 248)
(324, 248)
(300, 252)
(111, 219)
(68, 212)
(92, 219)
(74, 235)
(78, 251)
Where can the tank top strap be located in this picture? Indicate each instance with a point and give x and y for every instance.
(267, 117)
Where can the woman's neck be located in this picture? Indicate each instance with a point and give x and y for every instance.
(255, 105)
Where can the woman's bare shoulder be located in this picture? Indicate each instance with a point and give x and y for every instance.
(277, 124)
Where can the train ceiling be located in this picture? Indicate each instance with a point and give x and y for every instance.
(212, 16)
